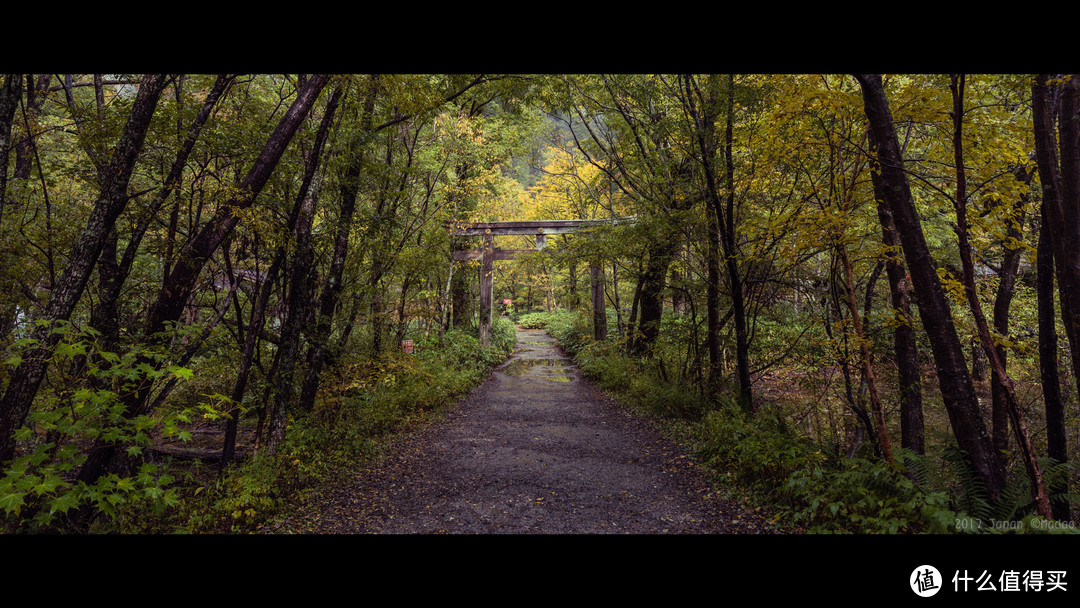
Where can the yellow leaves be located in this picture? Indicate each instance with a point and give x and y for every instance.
(953, 287)
(570, 189)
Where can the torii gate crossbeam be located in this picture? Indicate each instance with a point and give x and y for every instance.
(488, 254)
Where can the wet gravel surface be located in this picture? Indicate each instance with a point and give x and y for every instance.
(534, 450)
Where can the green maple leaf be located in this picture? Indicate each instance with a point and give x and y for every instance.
(12, 503)
(64, 502)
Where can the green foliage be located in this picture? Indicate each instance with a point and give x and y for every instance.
(571, 329)
(38, 488)
(1013, 512)
(607, 145)
(809, 489)
(532, 320)
(857, 495)
(374, 399)
(763, 455)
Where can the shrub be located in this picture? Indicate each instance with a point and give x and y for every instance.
(38, 490)
(571, 329)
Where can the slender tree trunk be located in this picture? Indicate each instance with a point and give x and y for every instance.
(958, 392)
(615, 299)
(721, 226)
(882, 434)
(599, 309)
(24, 149)
(1059, 243)
(403, 316)
(704, 127)
(631, 324)
(10, 95)
(178, 287)
(1010, 266)
(1060, 178)
(909, 378)
(1023, 438)
(865, 426)
(301, 280)
(738, 301)
(113, 272)
(111, 201)
(331, 289)
(1056, 442)
(174, 293)
(251, 341)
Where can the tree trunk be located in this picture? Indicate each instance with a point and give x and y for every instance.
(631, 324)
(738, 302)
(24, 150)
(882, 434)
(113, 272)
(301, 279)
(1056, 442)
(1023, 438)
(1059, 243)
(251, 341)
(831, 308)
(1010, 267)
(331, 289)
(721, 227)
(905, 348)
(181, 282)
(652, 297)
(112, 200)
(599, 309)
(10, 94)
(958, 392)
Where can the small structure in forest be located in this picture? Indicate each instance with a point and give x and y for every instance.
(540, 229)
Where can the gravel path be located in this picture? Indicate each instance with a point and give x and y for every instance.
(534, 450)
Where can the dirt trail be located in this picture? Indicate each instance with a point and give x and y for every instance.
(534, 450)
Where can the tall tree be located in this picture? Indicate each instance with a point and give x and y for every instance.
(10, 94)
(626, 129)
(301, 279)
(905, 347)
(112, 199)
(330, 293)
(1057, 154)
(181, 282)
(705, 104)
(958, 392)
(114, 271)
(1053, 402)
(1023, 439)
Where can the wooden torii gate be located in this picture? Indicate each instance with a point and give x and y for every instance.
(540, 229)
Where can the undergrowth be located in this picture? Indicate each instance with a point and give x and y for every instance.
(363, 402)
(806, 485)
(373, 400)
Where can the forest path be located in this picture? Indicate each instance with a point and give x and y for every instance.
(534, 450)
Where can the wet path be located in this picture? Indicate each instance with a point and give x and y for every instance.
(536, 449)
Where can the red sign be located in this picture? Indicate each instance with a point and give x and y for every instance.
(406, 346)
(507, 302)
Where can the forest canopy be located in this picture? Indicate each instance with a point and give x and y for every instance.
(880, 266)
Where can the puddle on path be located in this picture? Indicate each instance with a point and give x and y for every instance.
(521, 367)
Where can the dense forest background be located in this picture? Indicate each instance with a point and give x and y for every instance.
(856, 296)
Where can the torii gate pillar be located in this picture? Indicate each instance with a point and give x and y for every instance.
(487, 269)
(599, 312)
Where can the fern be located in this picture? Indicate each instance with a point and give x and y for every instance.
(967, 490)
